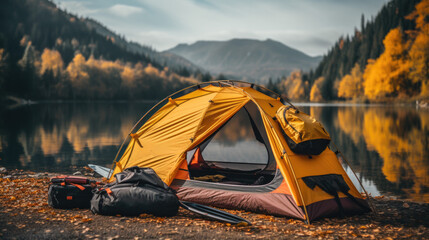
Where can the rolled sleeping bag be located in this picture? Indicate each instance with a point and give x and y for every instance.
(135, 191)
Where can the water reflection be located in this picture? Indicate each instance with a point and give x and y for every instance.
(56, 136)
(388, 146)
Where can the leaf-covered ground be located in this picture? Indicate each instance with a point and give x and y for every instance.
(25, 214)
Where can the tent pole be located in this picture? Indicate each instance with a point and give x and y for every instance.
(360, 183)
(297, 185)
(284, 154)
(171, 95)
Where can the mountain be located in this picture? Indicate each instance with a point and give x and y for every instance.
(48, 53)
(253, 60)
(170, 60)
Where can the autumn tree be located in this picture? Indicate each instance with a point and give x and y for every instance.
(419, 52)
(51, 60)
(363, 45)
(316, 93)
(351, 85)
(77, 74)
(294, 86)
(388, 75)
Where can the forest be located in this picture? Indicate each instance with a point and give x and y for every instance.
(386, 60)
(47, 53)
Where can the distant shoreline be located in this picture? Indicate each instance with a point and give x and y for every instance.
(23, 101)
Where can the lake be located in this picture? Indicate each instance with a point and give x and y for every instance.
(388, 146)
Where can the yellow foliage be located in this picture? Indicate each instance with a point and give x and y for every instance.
(24, 41)
(91, 61)
(351, 86)
(420, 16)
(419, 52)
(315, 93)
(349, 119)
(79, 59)
(404, 66)
(128, 75)
(151, 70)
(2, 56)
(403, 147)
(294, 86)
(387, 74)
(110, 65)
(375, 80)
(51, 60)
(419, 57)
(75, 69)
(79, 71)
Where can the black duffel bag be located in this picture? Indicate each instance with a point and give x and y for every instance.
(67, 192)
(136, 191)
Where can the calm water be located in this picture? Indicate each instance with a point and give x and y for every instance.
(387, 146)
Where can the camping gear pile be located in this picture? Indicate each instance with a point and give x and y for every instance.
(136, 191)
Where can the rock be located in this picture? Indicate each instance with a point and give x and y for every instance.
(77, 173)
(8, 176)
(38, 175)
(422, 104)
(3, 170)
(406, 205)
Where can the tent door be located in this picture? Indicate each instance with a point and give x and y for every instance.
(238, 152)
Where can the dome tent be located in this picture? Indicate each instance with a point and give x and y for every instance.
(220, 144)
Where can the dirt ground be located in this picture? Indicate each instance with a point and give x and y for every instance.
(25, 214)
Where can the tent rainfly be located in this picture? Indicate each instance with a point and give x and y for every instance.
(224, 144)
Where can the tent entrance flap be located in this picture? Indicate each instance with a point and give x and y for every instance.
(239, 151)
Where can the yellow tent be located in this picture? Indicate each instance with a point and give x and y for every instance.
(181, 141)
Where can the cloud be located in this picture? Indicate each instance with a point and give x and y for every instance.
(121, 10)
(81, 8)
(311, 26)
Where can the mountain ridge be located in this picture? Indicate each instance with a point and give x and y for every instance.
(168, 59)
(254, 60)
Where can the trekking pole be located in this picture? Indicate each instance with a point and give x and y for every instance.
(360, 183)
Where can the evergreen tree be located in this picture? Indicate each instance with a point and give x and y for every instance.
(363, 45)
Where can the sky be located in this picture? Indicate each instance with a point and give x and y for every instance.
(311, 26)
